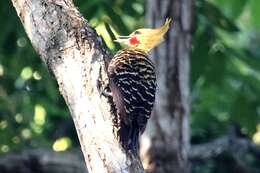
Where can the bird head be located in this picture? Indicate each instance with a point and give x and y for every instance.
(145, 38)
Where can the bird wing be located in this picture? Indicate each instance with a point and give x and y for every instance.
(136, 85)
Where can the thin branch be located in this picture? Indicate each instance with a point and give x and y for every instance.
(209, 150)
(236, 144)
(42, 160)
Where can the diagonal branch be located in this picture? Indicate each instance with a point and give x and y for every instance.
(74, 53)
(43, 161)
(235, 144)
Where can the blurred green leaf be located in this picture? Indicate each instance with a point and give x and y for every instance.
(232, 8)
(116, 18)
(200, 52)
(112, 36)
(216, 16)
(255, 13)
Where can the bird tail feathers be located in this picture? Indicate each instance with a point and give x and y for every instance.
(129, 138)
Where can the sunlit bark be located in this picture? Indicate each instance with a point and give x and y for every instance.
(74, 54)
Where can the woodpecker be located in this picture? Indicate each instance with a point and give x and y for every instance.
(132, 81)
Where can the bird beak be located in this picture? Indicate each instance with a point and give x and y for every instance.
(122, 39)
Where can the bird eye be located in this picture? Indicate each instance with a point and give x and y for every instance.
(137, 32)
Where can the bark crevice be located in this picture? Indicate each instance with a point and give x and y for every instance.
(74, 54)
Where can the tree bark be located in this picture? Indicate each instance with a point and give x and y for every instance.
(74, 54)
(165, 144)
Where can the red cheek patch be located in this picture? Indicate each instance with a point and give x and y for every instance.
(133, 41)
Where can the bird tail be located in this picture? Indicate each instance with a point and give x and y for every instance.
(129, 138)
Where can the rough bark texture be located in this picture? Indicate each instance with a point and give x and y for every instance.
(165, 144)
(73, 52)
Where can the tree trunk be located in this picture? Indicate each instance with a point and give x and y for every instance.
(74, 53)
(165, 144)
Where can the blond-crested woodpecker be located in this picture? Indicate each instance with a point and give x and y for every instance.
(132, 81)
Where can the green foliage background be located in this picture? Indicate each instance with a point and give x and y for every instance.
(225, 76)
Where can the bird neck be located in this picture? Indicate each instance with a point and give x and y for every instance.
(138, 50)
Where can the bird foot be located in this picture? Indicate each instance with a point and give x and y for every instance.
(106, 92)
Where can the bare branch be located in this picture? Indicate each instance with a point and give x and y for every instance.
(42, 160)
(236, 145)
(73, 52)
(209, 150)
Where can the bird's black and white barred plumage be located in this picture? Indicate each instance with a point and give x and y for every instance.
(132, 81)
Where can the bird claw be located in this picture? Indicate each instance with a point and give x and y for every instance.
(106, 92)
